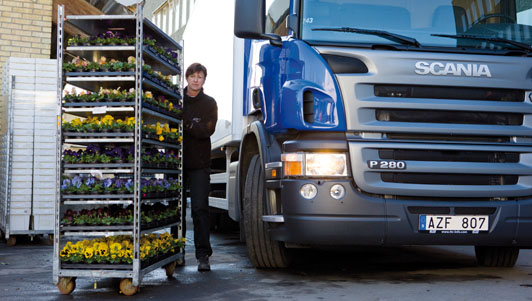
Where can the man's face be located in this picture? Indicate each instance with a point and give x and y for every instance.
(195, 81)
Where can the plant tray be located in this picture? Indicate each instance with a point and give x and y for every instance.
(97, 228)
(98, 104)
(100, 73)
(96, 266)
(97, 135)
(100, 165)
(96, 196)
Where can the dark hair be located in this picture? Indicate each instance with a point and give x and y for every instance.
(196, 67)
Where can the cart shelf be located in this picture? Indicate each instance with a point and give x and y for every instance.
(132, 202)
(122, 53)
(98, 228)
(99, 202)
(100, 166)
(92, 105)
(160, 115)
(162, 144)
(96, 233)
(159, 228)
(161, 200)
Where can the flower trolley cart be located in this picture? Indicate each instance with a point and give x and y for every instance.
(119, 164)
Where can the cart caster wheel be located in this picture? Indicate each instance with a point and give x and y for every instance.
(12, 241)
(170, 269)
(66, 285)
(127, 288)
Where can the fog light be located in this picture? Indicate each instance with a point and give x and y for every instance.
(337, 191)
(308, 191)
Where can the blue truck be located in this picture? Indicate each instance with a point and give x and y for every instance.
(379, 123)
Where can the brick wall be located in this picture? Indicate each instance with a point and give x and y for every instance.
(25, 29)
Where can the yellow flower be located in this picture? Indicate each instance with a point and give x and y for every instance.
(115, 248)
(161, 138)
(76, 122)
(104, 250)
(149, 95)
(180, 139)
(75, 247)
(121, 253)
(64, 253)
(89, 252)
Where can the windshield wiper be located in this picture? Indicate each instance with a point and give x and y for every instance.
(381, 33)
(488, 39)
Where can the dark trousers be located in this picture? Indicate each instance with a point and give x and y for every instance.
(198, 182)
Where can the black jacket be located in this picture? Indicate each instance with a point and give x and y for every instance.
(200, 114)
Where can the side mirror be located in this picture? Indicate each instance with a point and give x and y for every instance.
(249, 19)
(250, 16)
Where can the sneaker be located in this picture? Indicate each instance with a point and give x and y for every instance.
(203, 264)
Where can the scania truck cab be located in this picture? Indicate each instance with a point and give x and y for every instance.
(382, 123)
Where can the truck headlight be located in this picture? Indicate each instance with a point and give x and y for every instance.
(315, 164)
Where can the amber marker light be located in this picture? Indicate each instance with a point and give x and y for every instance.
(292, 164)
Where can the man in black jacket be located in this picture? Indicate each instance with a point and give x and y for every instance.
(200, 114)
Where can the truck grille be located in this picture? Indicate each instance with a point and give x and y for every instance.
(448, 179)
(437, 92)
(451, 117)
(448, 155)
(446, 171)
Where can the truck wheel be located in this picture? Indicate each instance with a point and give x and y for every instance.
(496, 256)
(263, 252)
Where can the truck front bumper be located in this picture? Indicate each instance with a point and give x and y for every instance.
(361, 219)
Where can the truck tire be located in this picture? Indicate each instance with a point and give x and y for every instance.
(263, 251)
(496, 256)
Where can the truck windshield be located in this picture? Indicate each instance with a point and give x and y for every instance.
(429, 22)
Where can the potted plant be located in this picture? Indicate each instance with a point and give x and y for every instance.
(131, 64)
(93, 66)
(117, 66)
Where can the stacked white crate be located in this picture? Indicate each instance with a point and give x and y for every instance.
(33, 176)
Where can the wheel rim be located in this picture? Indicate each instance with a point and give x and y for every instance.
(66, 285)
(127, 288)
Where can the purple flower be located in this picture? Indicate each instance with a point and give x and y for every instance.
(115, 152)
(129, 185)
(109, 34)
(166, 184)
(90, 181)
(118, 183)
(107, 183)
(92, 149)
(76, 181)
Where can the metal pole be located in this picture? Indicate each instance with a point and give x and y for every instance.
(57, 239)
(138, 147)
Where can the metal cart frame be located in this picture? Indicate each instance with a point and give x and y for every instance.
(133, 272)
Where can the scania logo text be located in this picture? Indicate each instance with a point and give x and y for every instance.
(452, 69)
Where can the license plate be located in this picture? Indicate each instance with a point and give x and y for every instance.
(453, 223)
